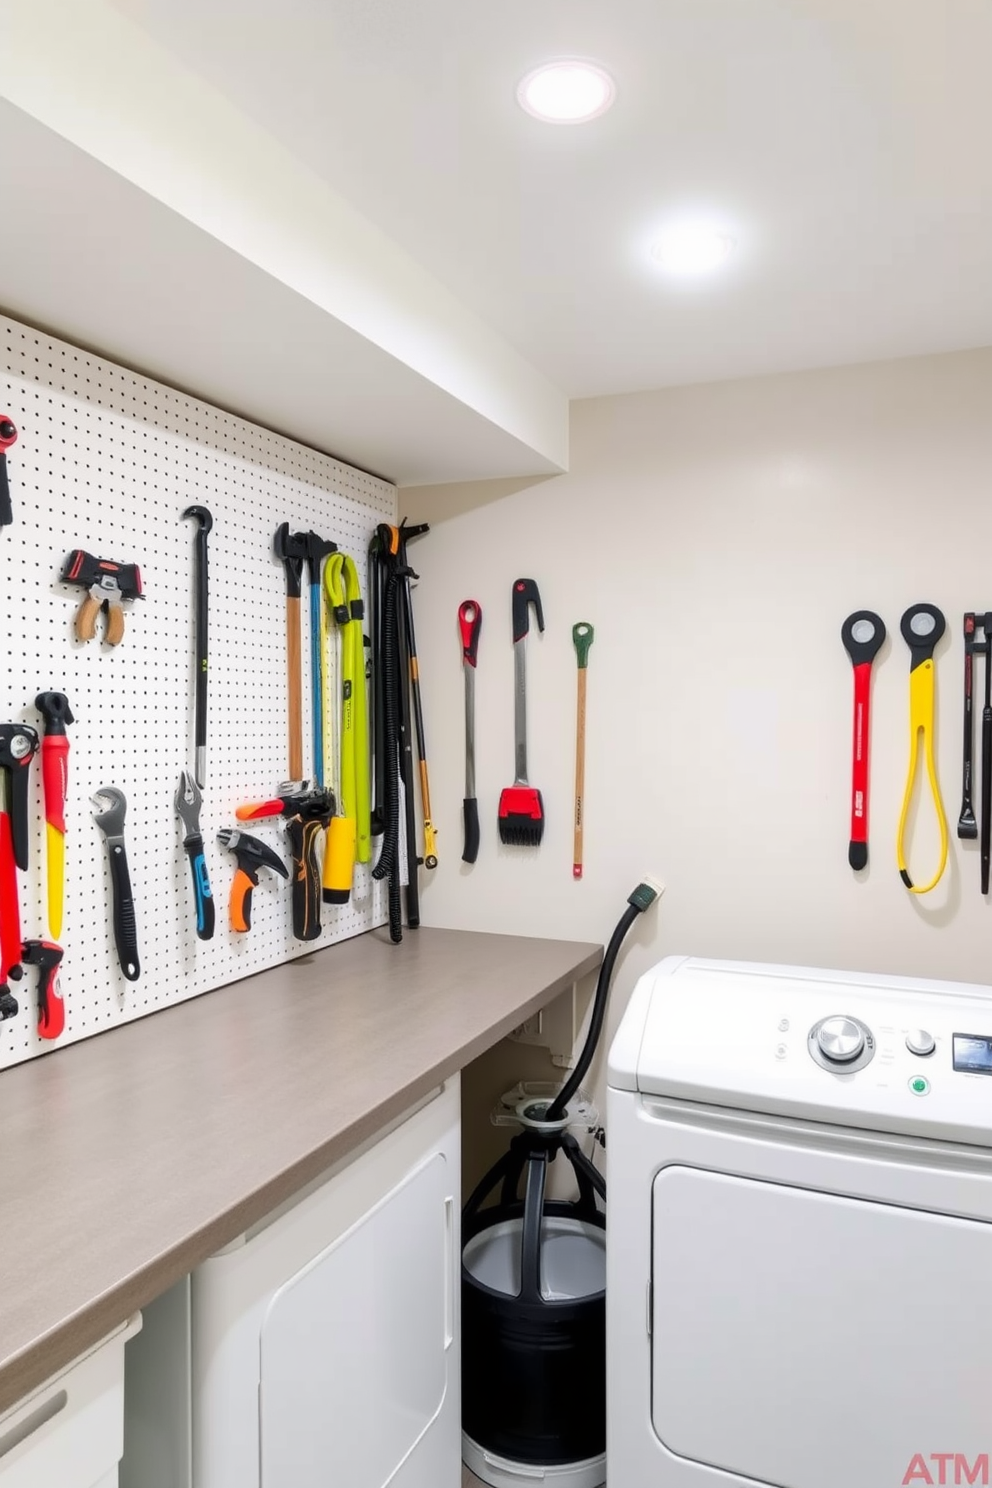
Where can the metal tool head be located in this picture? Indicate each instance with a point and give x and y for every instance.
(201, 515)
(257, 852)
(18, 746)
(189, 799)
(96, 575)
(291, 549)
(18, 742)
(111, 819)
(54, 708)
(318, 548)
(43, 953)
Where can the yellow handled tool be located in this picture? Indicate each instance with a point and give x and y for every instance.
(922, 627)
(349, 837)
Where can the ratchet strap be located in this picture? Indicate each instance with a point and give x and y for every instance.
(922, 627)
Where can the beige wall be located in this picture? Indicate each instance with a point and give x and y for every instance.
(716, 537)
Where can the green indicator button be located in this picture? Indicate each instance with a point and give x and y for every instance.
(919, 1086)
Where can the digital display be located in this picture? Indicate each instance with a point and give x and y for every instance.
(973, 1053)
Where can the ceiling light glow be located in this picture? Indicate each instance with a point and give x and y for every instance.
(566, 92)
(693, 248)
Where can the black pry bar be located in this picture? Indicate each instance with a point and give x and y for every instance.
(967, 825)
(201, 580)
(986, 835)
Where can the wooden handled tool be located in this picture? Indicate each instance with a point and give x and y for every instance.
(582, 638)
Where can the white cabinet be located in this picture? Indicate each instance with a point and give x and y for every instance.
(325, 1342)
(70, 1432)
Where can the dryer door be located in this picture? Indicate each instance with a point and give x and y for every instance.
(810, 1341)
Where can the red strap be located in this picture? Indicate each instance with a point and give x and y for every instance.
(859, 777)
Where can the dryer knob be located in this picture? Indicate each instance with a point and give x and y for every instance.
(840, 1039)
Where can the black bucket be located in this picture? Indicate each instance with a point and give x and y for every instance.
(534, 1319)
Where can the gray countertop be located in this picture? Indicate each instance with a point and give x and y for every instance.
(131, 1157)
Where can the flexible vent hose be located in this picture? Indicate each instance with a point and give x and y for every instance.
(641, 899)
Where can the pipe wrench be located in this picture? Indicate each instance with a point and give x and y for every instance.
(18, 746)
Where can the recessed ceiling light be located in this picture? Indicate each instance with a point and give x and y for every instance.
(567, 92)
(693, 248)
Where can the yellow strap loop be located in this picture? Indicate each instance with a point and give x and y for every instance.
(921, 721)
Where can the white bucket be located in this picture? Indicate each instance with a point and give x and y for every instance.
(500, 1473)
(573, 1258)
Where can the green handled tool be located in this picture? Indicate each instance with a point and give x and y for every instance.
(582, 638)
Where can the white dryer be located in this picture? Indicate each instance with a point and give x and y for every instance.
(799, 1242)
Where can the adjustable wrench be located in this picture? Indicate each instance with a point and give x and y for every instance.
(188, 802)
(111, 824)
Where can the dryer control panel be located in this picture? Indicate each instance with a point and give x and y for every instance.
(879, 1052)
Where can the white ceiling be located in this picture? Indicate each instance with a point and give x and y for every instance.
(846, 141)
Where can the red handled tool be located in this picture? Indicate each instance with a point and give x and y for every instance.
(521, 807)
(18, 746)
(54, 708)
(863, 634)
(51, 1009)
(8, 436)
(307, 813)
(470, 624)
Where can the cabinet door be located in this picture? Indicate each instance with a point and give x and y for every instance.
(356, 1355)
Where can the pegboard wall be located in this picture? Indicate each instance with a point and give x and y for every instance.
(107, 461)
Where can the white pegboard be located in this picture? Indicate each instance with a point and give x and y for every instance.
(107, 461)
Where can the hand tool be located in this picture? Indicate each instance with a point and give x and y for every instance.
(111, 824)
(307, 814)
(252, 854)
(582, 638)
(406, 574)
(521, 809)
(18, 746)
(317, 549)
(922, 627)
(389, 574)
(470, 623)
(108, 585)
(985, 621)
(863, 635)
(54, 708)
(204, 523)
(188, 802)
(51, 1009)
(291, 549)
(349, 837)
(967, 825)
(8, 436)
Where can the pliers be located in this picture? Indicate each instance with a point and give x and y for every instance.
(188, 801)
